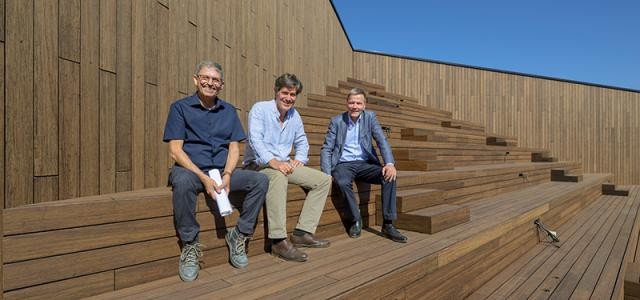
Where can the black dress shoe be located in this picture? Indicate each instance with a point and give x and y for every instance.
(390, 232)
(356, 229)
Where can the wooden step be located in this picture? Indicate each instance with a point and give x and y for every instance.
(430, 135)
(423, 165)
(564, 175)
(416, 132)
(433, 219)
(459, 124)
(450, 124)
(571, 178)
(381, 101)
(369, 85)
(414, 199)
(542, 157)
(414, 154)
(496, 141)
(501, 140)
(610, 189)
(426, 138)
(402, 106)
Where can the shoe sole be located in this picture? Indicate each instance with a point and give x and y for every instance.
(288, 259)
(187, 279)
(312, 246)
(396, 240)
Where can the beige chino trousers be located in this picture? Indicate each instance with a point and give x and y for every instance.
(317, 183)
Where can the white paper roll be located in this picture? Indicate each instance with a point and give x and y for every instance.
(221, 198)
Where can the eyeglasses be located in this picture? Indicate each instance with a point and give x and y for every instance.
(207, 79)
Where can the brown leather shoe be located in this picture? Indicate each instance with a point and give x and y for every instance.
(285, 250)
(308, 240)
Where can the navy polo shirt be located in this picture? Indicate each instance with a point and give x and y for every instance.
(206, 133)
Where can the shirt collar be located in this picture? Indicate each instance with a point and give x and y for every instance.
(195, 101)
(351, 122)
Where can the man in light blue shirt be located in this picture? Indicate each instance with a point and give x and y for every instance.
(274, 127)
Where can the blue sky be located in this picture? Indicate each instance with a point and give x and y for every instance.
(589, 41)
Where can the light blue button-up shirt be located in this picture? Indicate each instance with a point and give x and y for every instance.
(352, 149)
(269, 139)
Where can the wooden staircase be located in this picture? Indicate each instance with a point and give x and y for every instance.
(423, 210)
(466, 199)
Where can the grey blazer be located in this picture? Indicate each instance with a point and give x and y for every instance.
(337, 132)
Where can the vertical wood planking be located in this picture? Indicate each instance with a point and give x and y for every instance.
(45, 188)
(123, 181)
(90, 61)
(184, 71)
(151, 42)
(108, 34)
(2, 20)
(138, 94)
(69, 125)
(45, 73)
(204, 35)
(108, 132)
(2, 135)
(124, 86)
(166, 84)
(69, 30)
(151, 142)
(19, 103)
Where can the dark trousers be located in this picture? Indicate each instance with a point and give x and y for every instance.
(186, 186)
(346, 172)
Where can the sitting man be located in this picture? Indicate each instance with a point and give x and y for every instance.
(348, 154)
(203, 132)
(274, 127)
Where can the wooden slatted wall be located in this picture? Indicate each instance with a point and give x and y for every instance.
(594, 125)
(88, 83)
(87, 86)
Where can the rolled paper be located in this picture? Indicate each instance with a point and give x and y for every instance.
(222, 198)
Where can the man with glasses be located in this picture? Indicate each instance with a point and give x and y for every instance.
(274, 128)
(203, 132)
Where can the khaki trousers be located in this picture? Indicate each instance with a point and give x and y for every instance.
(317, 183)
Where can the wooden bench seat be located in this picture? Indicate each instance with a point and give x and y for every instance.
(587, 264)
(131, 234)
(375, 267)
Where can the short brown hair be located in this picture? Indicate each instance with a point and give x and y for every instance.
(289, 81)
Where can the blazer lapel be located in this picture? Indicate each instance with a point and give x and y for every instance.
(342, 129)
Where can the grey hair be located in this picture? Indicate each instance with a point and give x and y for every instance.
(289, 81)
(209, 64)
(357, 91)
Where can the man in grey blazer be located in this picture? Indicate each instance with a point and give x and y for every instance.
(348, 154)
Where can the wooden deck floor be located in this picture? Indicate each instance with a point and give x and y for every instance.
(355, 263)
(587, 265)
